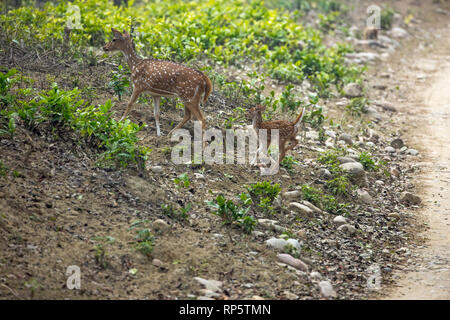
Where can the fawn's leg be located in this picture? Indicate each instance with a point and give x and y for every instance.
(133, 98)
(187, 117)
(156, 101)
(195, 109)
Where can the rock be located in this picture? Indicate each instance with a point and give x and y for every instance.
(412, 152)
(379, 183)
(157, 263)
(353, 90)
(257, 234)
(270, 224)
(199, 176)
(364, 196)
(364, 57)
(346, 138)
(293, 262)
(356, 172)
(345, 159)
(370, 144)
(397, 143)
(292, 195)
(389, 149)
(160, 225)
(399, 33)
(294, 243)
(156, 169)
(380, 86)
(372, 113)
(327, 289)
(300, 209)
(408, 197)
(347, 228)
(353, 168)
(212, 285)
(312, 135)
(311, 206)
(325, 173)
(277, 202)
(277, 244)
(340, 220)
(385, 105)
(209, 293)
(330, 133)
(315, 275)
(394, 215)
(290, 295)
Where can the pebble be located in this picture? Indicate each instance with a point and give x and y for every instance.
(156, 169)
(412, 152)
(157, 263)
(346, 138)
(347, 228)
(364, 196)
(325, 173)
(293, 262)
(300, 209)
(327, 289)
(213, 285)
(340, 220)
(389, 149)
(397, 143)
(408, 197)
(276, 243)
(291, 195)
(160, 225)
(353, 90)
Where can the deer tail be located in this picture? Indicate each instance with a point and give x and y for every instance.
(297, 121)
(208, 88)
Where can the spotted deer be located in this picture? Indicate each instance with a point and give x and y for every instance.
(287, 129)
(162, 78)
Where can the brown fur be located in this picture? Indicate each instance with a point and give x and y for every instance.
(287, 129)
(370, 33)
(162, 78)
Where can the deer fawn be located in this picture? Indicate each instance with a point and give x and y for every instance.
(287, 130)
(162, 79)
(370, 33)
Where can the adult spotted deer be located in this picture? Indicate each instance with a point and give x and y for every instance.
(287, 130)
(162, 78)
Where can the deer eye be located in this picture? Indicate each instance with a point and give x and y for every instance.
(114, 40)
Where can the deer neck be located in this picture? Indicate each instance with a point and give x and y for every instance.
(132, 58)
(257, 120)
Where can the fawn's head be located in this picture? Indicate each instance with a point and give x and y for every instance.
(252, 112)
(121, 41)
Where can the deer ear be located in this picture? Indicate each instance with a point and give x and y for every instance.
(125, 33)
(116, 33)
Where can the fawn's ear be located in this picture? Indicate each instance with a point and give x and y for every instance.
(125, 33)
(261, 107)
(116, 33)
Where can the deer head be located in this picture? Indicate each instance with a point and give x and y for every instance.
(252, 112)
(121, 41)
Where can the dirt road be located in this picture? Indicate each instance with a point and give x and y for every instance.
(429, 276)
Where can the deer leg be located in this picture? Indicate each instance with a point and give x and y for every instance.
(134, 96)
(187, 117)
(156, 101)
(282, 151)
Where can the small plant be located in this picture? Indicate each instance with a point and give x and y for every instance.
(182, 181)
(263, 194)
(119, 82)
(387, 14)
(231, 213)
(182, 214)
(365, 158)
(357, 106)
(144, 240)
(325, 202)
(338, 186)
(3, 169)
(288, 162)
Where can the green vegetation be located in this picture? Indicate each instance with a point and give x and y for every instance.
(119, 82)
(365, 158)
(63, 112)
(232, 213)
(144, 240)
(182, 214)
(263, 195)
(387, 13)
(325, 202)
(182, 181)
(225, 32)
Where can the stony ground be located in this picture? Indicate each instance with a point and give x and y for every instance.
(58, 209)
